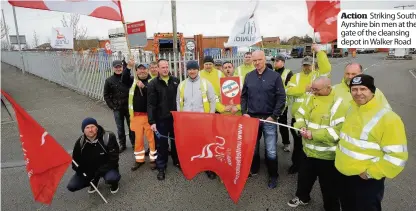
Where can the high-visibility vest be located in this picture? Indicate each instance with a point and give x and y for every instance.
(204, 89)
(368, 144)
(131, 96)
(284, 76)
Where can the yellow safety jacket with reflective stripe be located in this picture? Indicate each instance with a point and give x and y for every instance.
(242, 71)
(204, 90)
(131, 96)
(323, 116)
(372, 140)
(342, 90)
(284, 77)
(296, 88)
(214, 78)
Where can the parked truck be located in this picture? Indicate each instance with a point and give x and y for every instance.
(297, 52)
(308, 50)
(339, 52)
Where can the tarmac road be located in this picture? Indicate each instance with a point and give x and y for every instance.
(60, 112)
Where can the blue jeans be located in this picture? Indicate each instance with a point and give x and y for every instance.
(119, 117)
(269, 131)
(79, 182)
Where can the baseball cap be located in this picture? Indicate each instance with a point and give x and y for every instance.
(117, 63)
(278, 57)
(307, 60)
(218, 62)
(142, 65)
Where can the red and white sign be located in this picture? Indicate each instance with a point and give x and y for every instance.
(108, 47)
(105, 9)
(230, 90)
(223, 144)
(136, 33)
(136, 27)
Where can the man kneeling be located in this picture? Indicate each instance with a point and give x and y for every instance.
(97, 154)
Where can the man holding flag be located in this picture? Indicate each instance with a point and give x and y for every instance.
(97, 154)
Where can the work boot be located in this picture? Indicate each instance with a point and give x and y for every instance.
(153, 165)
(136, 166)
(161, 174)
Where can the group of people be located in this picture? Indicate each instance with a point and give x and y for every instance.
(345, 135)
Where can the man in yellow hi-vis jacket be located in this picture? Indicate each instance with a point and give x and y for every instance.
(343, 90)
(372, 146)
(320, 118)
(298, 86)
(228, 70)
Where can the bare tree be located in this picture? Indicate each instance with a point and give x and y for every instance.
(79, 32)
(35, 39)
(4, 29)
(4, 45)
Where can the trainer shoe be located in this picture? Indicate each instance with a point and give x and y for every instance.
(296, 202)
(272, 182)
(114, 188)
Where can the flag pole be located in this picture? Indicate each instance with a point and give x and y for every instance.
(313, 52)
(18, 39)
(92, 184)
(128, 45)
(276, 123)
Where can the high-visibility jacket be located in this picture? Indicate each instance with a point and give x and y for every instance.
(242, 71)
(153, 76)
(213, 77)
(342, 90)
(296, 88)
(284, 77)
(372, 140)
(131, 96)
(323, 116)
(204, 90)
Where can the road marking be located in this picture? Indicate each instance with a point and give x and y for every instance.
(411, 72)
(15, 164)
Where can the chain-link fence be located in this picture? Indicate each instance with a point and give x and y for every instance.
(86, 73)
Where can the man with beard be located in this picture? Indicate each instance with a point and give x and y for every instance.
(139, 122)
(342, 89)
(97, 154)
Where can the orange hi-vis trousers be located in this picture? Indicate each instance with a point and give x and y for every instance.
(140, 125)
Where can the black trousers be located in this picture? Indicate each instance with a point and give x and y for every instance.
(284, 131)
(357, 194)
(165, 128)
(298, 154)
(328, 176)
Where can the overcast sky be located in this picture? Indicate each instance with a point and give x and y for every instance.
(210, 18)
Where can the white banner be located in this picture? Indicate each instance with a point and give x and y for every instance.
(245, 32)
(62, 37)
(118, 41)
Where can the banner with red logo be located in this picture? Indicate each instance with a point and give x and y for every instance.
(46, 160)
(223, 144)
(322, 16)
(230, 90)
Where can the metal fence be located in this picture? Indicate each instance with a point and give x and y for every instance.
(86, 73)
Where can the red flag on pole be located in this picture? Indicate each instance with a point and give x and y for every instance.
(223, 144)
(46, 160)
(105, 9)
(322, 16)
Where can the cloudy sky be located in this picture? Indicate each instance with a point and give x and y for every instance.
(210, 18)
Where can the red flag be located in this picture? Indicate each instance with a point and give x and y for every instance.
(322, 16)
(223, 144)
(46, 160)
(105, 9)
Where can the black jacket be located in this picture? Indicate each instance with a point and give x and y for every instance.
(161, 98)
(96, 158)
(263, 95)
(288, 77)
(139, 101)
(116, 94)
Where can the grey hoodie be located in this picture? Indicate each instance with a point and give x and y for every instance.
(193, 96)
